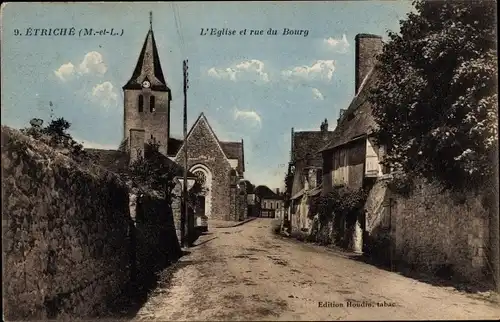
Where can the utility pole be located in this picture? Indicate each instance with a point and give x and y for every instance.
(185, 233)
(495, 227)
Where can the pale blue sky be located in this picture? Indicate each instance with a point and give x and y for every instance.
(250, 87)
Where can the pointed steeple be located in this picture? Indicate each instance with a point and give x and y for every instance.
(148, 65)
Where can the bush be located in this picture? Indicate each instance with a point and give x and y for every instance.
(341, 201)
(56, 135)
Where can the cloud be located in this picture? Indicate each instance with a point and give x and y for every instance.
(319, 70)
(317, 94)
(65, 71)
(249, 70)
(338, 45)
(104, 94)
(250, 115)
(92, 63)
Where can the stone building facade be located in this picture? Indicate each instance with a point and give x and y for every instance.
(220, 167)
(307, 166)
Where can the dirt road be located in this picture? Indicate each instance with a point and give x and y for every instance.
(247, 273)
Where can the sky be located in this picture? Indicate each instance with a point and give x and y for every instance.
(250, 87)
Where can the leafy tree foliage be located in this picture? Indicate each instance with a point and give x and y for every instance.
(436, 98)
(152, 171)
(56, 135)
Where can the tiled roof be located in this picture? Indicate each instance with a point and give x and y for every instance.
(112, 160)
(148, 67)
(358, 119)
(118, 161)
(234, 150)
(306, 145)
(265, 192)
(173, 146)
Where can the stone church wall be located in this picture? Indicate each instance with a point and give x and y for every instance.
(65, 232)
(203, 149)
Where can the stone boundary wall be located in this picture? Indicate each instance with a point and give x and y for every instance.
(442, 232)
(156, 242)
(66, 249)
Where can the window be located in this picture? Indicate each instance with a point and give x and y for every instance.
(141, 103)
(152, 104)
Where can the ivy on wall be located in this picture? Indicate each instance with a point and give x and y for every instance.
(341, 201)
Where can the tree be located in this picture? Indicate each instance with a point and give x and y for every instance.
(152, 171)
(56, 135)
(435, 101)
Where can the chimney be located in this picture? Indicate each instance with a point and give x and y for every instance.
(137, 140)
(367, 48)
(278, 191)
(324, 126)
(291, 149)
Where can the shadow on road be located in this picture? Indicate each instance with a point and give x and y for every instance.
(443, 277)
(203, 242)
(135, 295)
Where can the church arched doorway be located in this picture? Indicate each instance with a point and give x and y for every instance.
(204, 177)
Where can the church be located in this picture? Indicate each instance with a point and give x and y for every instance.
(218, 165)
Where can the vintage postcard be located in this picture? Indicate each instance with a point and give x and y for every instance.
(250, 160)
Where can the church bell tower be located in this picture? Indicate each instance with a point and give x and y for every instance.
(147, 97)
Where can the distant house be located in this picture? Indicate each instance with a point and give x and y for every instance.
(253, 203)
(271, 203)
(307, 167)
(352, 158)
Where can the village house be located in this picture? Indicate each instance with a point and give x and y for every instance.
(271, 203)
(307, 168)
(352, 159)
(253, 201)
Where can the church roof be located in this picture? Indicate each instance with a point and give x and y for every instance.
(173, 146)
(148, 67)
(234, 150)
(112, 160)
(118, 161)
